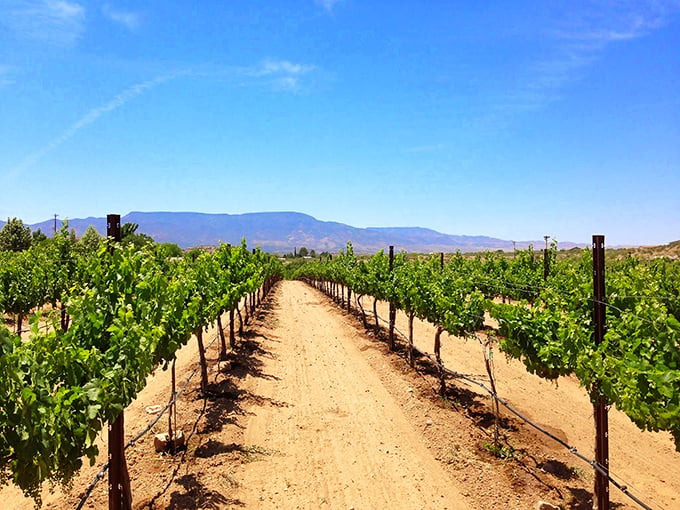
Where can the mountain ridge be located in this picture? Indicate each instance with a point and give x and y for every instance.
(282, 232)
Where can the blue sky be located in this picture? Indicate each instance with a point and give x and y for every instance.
(503, 118)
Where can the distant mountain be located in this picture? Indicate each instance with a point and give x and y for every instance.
(79, 225)
(281, 232)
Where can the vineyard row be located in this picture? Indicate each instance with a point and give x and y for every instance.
(550, 316)
(117, 314)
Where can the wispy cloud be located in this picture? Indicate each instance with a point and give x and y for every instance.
(578, 41)
(609, 21)
(128, 19)
(327, 4)
(282, 74)
(57, 22)
(269, 67)
(90, 117)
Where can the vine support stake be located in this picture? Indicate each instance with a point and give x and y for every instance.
(113, 227)
(172, 412)
(411, 360)
(393, 310)
(120, 495)
(438, 358)
(599, 401)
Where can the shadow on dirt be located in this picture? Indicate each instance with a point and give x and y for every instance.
(225, 396)
(196, 495)
(242, 453)
(476, 405)
(212, 448)
(222, 406)
(583, 500)
(245, 360)
(558, 469)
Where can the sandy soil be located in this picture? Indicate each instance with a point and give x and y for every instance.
(311, 411)
(646, 462)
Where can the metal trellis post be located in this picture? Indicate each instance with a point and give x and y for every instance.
(599, 400)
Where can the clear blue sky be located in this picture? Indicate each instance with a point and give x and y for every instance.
(513, 119)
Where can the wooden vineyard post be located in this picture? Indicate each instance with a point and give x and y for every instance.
(172, 409)
(438, 357)
(488, 360)
(438, 345)
(599, 401)
(411, 360)
(393, 311)
(546, 259)
(120, 495)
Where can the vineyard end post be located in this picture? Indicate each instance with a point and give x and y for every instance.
(393, 311)
(120, 496)
(599, 401)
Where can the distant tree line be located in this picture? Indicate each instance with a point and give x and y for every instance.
(301, 253)
(15, 236)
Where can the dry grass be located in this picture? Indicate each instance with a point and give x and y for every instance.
(671, 250)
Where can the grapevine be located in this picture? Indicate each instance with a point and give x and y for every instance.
(547, 322)
(129, 312)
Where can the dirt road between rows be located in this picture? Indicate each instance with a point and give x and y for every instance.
(341, 439)
(311, 411)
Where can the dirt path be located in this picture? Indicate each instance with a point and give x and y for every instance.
(341, 440)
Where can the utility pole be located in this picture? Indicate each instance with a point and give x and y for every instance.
(55, 224)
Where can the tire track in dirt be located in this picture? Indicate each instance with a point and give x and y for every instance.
(335, 437)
